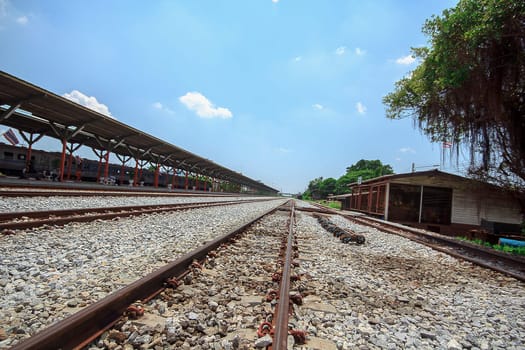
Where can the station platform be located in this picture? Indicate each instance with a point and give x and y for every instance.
(12, 181)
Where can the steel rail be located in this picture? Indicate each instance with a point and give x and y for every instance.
(442, 239)
(77, 192)
(314, 210)
(280, 340)
(12, 220)
(434, 242)
(72, 332)
(431, 240)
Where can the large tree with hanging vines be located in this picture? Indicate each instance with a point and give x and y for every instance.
(469, 87)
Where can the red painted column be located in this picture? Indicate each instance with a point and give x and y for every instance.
(62, 159)
(370, 195)
(377, 197)
(205, 183)
(136, 174)
(196, 182)
(173, 179)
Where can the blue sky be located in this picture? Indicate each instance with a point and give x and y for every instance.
(282, 91)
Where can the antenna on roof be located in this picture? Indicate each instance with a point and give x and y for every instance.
(423, 166)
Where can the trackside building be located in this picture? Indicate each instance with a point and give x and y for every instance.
(436, 201)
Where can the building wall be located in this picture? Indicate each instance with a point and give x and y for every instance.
(472, 201)
(466, 208)
(434, 181)
(469, 207)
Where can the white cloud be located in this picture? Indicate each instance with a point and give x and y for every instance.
(198, 103)
(359, 52)
(340, 50)
(284, 150)
(159, 106)
(298, 58)
(361, 108)
(22, 20)
(275, 1)
(407, 150)
(88, 101)
(317, 106)
(406, 60)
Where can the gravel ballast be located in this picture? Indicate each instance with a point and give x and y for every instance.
(21, 204)
(48, 273)
(391, 293)
(220, 306)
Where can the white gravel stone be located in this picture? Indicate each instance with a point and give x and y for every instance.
(389, 293)
(52, 272)
(394, 293)
(21, 204)
(263, 342)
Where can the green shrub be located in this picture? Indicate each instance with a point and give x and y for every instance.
(504, 248)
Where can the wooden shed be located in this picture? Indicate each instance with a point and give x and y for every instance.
(434, 200)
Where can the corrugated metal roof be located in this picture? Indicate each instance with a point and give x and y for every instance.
(390, 177)
(40, 111)
(427, 173)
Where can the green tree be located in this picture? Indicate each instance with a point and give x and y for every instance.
(373, 168)
(314, 189)
(366, 169)
(320, 188)
(342, 183)
(327, 187)
(469, 87)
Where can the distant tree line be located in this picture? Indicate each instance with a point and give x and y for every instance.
(320, 188)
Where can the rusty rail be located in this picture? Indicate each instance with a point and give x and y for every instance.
(113, 192)
(504, 263)
(461, 250)
(73, 331)
(280, 340)
(11, 221)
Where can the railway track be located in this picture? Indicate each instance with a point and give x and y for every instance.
(267, 271)
(30, 219)
(498, 261)
(68, 191)
(388, 291)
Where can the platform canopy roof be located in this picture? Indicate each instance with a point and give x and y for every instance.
(32, 109)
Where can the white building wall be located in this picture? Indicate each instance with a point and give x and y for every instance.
(469, 207)
(498, 208)
(465, 208)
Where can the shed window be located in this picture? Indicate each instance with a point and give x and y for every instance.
(437, 205)
(8, 155)
(404, 203)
